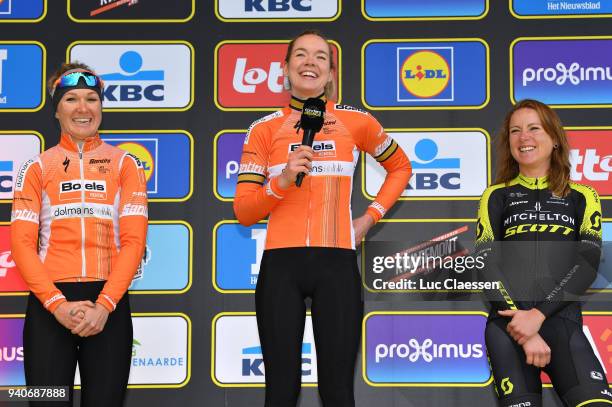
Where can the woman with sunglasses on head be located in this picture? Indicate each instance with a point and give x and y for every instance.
(78, 230)
(540, 234)
(311, 235)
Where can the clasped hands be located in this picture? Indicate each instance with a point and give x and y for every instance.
(523, 328)
(83, 318)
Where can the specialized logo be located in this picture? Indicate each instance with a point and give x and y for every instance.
(238, 254)
(506, 386)
(15, 149)
(413, 74)
(595, 375)
(533, 9)
(17, 60)
(442, 162)
(237, 357)
(32, 10)
(563, 72)
(11, 352)
(263, 10)
(591, 158)
(425, 74)
(141, 76)
(250, 75)
(446, 349)
(74, 189)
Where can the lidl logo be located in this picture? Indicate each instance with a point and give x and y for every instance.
(424, 10)
(425, 74)
(141, 76)
(410, 74)
(165, 157)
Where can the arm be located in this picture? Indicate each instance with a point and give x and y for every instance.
(254, 201)
(579, 277)
(488, 235)
(133, 216)
(389, 154)
(24, 235)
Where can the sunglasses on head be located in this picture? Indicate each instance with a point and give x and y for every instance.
(72, 79)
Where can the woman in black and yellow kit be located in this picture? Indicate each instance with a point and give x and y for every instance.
(541, 237)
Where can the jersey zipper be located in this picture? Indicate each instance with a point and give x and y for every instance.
(537, 248)
(83, 260)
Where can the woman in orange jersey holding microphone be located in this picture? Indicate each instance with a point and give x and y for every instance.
(311, 235)
(78, 230)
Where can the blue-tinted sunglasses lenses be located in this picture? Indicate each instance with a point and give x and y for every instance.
(72, 79)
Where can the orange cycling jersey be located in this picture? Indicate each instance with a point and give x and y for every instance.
(319, 212)
(79, 214)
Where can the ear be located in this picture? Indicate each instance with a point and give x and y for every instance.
(56, 115)
(285, 69)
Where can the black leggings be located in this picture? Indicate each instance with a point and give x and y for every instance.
(51, 351)
(331, 278)
(575, 372)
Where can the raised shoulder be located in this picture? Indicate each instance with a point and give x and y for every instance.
(589, 193)
(260, 122)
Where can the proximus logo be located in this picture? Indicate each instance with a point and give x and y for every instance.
(575, 74)
(428, 351)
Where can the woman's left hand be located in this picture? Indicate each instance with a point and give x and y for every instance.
(524, 324)
(93, 322)
(361, 226)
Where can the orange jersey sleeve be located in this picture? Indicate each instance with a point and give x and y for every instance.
(254, 199)
(133, 222)
(373, 140)
(25, 214)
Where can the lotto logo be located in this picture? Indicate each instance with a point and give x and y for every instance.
(249, 75)
(591, 158)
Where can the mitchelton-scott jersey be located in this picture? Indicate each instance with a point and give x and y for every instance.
(544, 249)
(79, 214)
(319, 212)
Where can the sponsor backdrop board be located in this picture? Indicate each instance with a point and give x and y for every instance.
(22, 11)
(390, 10)
(161, 351)
(186, 78)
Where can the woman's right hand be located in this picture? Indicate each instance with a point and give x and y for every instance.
(71, 313)
(299, 160)
(537, 351)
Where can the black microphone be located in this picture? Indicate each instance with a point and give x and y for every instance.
(311, 122)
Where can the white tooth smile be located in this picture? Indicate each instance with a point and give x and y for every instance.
(526, 148)
(82, 120)
(309, 74)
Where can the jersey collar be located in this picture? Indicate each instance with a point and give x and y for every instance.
(298, 104)
(90, 143)
(532, 183)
